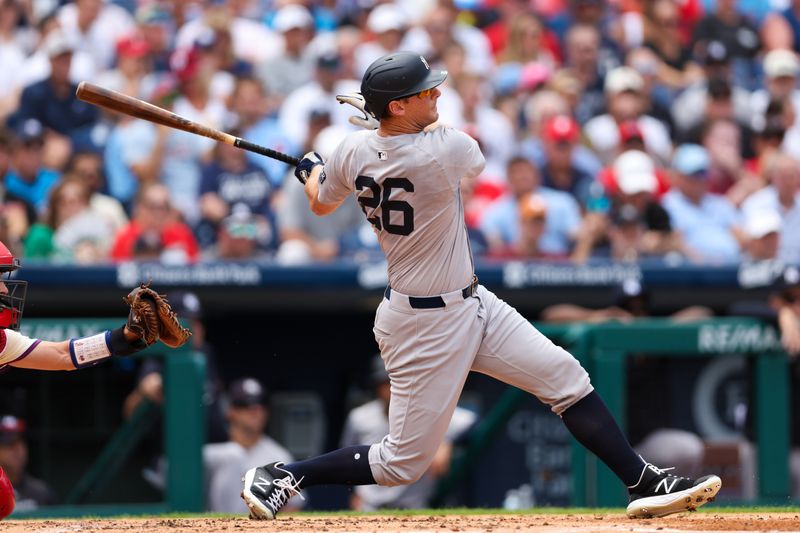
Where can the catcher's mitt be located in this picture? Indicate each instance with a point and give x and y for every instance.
(152, 318)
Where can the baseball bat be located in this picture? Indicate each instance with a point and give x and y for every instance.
(128, 105)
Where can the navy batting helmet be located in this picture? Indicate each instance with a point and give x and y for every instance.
(396, 76)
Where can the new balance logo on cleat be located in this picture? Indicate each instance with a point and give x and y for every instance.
(262, 484)
(267, 489)
(658, 493)
(666, 486)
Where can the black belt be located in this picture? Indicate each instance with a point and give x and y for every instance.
(433, 302)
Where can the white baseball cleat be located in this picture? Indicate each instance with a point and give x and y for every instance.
(660, 494)
(267, 489)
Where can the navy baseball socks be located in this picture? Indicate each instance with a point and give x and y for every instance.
(267, 488)
(652, 491)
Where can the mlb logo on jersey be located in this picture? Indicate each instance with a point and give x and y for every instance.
(383, 156)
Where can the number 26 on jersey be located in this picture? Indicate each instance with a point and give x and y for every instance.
(381, 192)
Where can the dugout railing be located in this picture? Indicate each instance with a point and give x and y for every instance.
(183, 430)
(603, 350)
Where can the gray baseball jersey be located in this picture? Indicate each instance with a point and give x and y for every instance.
(408, 187)
(432, 332)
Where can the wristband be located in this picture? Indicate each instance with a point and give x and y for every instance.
(89, 351)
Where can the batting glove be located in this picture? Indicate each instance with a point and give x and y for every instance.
(303, 169)
(356, 100)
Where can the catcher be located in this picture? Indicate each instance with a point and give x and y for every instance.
(150, 319)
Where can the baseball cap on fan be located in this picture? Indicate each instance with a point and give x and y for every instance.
(386, 17)
(623, 79)
(691, 160)
(30, 130)
(781, 63)
(292, 16)
(132, 46)
(246, 392)
(562, 128)
(762, 224)
(716, 53)
(635, 172)
(57, 43)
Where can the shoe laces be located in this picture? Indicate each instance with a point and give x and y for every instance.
(660, 471)
(286, 487)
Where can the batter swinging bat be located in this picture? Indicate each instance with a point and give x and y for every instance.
(128, 105)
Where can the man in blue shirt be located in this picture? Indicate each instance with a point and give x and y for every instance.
(708, 223)
(27, 180)
(52, 101)
(500, 222)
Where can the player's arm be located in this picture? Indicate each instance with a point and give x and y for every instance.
(311, 172)
(75, 353)
(312, 192)
(47, 356)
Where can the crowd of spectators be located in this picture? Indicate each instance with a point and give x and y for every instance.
(616, 129)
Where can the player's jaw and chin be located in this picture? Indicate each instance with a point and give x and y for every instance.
(428, 111)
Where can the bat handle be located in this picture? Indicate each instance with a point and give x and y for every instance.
(246, 145)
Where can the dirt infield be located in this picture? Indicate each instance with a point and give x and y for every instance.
(494, 523)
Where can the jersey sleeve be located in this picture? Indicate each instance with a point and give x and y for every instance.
(15, 346)
(457, 153)
(335, 182)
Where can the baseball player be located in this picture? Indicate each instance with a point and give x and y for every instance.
(17, 350)
(435, 323)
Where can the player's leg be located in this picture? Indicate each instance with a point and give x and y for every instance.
(7, 500)
(428, 354)
(517, 353)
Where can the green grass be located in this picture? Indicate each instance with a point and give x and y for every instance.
(458, 511)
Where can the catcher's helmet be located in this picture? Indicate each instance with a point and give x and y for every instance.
(11, 302)
(396, 76)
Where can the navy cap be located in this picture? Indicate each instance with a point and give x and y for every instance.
(30, 129)
(246, 392)
(629, 290)
(185, 304)
(716, 53)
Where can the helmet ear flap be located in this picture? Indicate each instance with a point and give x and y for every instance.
(369, 112)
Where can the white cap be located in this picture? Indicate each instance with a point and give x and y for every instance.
(778, 63)
(58, 43)
(386, 17)
(762, 224)
(635, 172)
(623, 79)
(292, 16)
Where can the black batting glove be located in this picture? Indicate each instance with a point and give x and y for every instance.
(303, 169)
